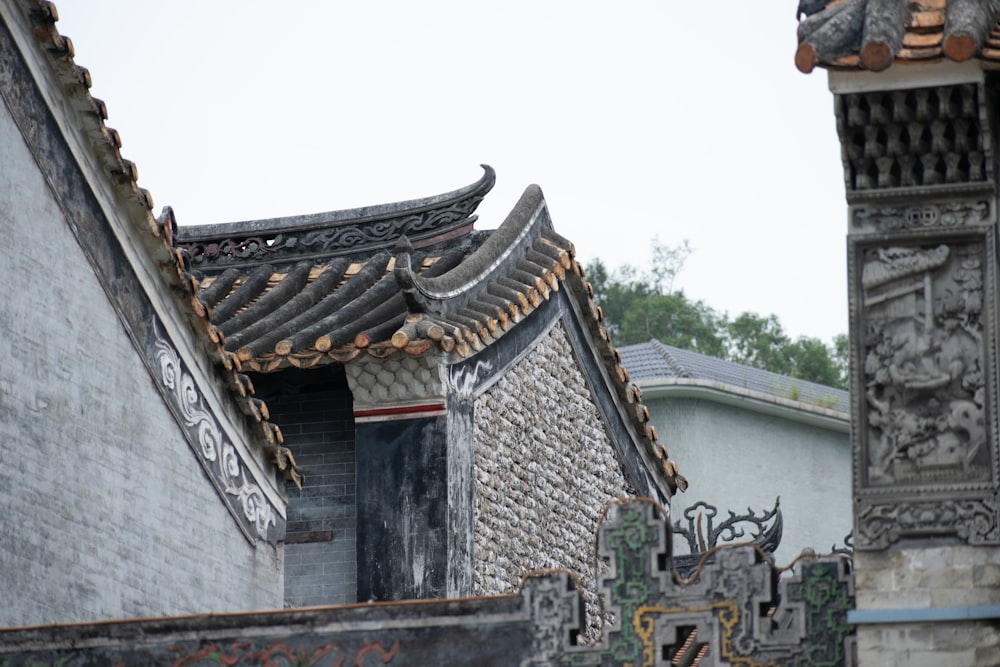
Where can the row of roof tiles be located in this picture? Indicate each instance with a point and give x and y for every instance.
(458, 296)
(655, 362)
(873, 34)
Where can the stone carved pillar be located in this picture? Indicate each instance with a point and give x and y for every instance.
(922, 269)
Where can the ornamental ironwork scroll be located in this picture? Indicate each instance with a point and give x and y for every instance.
(704, 531)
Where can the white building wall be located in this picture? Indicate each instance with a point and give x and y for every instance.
(736, 458)
(104, 510)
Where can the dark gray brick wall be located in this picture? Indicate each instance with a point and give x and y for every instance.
(106, 511)
(320, 552)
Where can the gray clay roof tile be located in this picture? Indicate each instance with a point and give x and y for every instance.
(651, 361)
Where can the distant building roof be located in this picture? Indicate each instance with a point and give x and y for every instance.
(652, 362)
(873, 34)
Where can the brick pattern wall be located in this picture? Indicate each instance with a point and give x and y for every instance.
(920, 575)
(106, 511)
(318, 426)
(544, 471)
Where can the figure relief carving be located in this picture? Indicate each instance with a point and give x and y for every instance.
(923, 366)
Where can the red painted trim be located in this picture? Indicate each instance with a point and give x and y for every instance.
(400, 410)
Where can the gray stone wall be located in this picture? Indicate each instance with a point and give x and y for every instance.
(736, 458)
(544, 471)
(917, 574)
(321, 569)
(106, 511)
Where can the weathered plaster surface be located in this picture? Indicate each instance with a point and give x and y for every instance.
(544, 471)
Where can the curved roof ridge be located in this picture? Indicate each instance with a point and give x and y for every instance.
(451, 290)
(320, 236)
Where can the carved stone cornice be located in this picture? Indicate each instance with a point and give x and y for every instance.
(922, 215)
(975, 520)
(319, 237)
(921, 142)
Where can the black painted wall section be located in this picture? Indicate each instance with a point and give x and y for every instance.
(402, 487)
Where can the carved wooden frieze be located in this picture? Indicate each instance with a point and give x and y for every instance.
(925, 426)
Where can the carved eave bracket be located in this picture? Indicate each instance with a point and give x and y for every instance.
(399, 386)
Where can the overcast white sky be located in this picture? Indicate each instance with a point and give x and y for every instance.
(677, 120)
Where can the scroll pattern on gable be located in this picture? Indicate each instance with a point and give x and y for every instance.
(247, 502)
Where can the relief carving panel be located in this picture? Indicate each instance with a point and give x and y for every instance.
(923, 392)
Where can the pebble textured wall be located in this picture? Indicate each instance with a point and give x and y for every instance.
(545, 469)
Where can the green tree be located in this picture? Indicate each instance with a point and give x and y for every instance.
(639, 306)
(760, 342)
(841, 356)
(674, 320)
(811, 359)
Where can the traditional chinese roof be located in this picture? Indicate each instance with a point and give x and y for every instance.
(319, 289)
(652, 364)
(155, 234)
(428, 281)
(873, 34)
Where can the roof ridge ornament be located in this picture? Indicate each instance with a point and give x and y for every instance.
(504, 247)
(321, 236)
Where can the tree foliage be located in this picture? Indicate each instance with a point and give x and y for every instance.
(639, 306)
